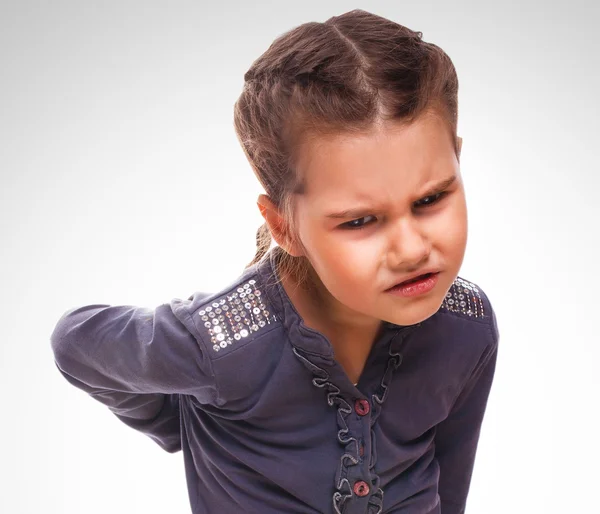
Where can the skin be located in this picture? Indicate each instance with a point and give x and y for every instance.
(387, 172)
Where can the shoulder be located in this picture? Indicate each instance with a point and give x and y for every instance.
(467, 321)
(458, 341)
(467, 301)
(230, 318)
(239, 330)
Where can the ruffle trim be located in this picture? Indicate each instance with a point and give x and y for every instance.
(350, 457)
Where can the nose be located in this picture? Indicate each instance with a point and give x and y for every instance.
(408, 246)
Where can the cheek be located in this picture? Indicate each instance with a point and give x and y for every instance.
(349, 267)
(451, 233)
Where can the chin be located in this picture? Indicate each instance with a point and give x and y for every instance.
(419, 312)
(415, 319)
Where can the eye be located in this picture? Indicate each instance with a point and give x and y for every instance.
(356, 224)
(436, 198)
(428, 201)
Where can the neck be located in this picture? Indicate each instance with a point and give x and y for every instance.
(318, 307)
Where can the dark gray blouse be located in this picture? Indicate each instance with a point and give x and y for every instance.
(269, 422)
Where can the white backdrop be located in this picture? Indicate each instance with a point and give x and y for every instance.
(122, 182)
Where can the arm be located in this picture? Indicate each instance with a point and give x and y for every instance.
(136, 361)
(457, 436)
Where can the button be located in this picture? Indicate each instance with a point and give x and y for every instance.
(362, 407)
(361, 488)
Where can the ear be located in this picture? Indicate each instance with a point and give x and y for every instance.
(277, 225)
(459, 145)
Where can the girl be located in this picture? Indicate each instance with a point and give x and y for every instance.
(347, 369)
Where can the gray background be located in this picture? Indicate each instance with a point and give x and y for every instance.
(122, 182)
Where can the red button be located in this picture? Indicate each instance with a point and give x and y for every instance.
(361, 488)
(362, 407)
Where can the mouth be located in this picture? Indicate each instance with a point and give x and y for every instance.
(413, 280)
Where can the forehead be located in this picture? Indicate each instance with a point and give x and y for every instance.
(377, 165)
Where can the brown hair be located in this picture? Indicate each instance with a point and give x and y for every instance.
(322, 79)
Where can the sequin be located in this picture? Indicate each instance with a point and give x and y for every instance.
(464, 297)
(236, 315)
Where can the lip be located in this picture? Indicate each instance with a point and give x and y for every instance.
(415, 275)
(418, 288)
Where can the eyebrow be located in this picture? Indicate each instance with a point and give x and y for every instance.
(357, 213)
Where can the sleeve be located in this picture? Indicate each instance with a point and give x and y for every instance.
(136, 361)
(457, 436)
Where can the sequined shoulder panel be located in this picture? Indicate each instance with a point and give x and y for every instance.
(235, 317)
(465, 298)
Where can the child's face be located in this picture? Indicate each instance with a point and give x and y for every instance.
(382, 176)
